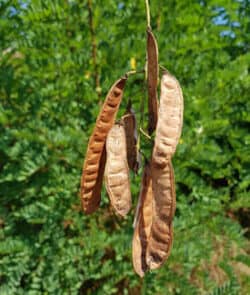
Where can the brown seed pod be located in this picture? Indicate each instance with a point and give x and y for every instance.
(117, 171)
(129, 122)
(170, 117)
(91, 181)
(164, 203)
(142, 223)
(152, 71)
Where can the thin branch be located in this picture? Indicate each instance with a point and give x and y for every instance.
(145, 134)
(146, 77)
(142, 101)
(148, 13)
(129, 73)
(162, 68)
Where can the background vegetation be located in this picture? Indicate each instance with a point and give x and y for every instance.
(51, 82)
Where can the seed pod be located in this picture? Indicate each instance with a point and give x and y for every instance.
(142, 223)
(117, 171)
(129, 122)
(91, 181)
(152, 71)
(170, 117)
(161, 234)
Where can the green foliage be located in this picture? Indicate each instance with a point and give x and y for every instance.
(48, 106)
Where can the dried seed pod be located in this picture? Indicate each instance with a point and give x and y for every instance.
(91, 181)
(164, 203)
(129, 122)
(117, 171)
(142, 223)
(152, 71)
(170, 117)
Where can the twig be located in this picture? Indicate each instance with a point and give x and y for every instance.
(146, 78)
(148, 13)
(163, 68)
(134, 72)
(145, 134)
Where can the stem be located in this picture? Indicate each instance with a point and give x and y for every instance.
(163, 68)
(94, 49)
(133, 73)
(148, 13)
(145, 134)
(146, 78)
(141, 119)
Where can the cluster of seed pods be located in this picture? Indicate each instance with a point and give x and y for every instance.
(112, 151)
